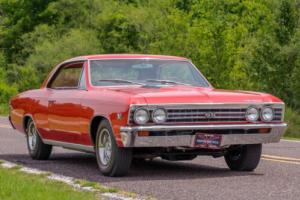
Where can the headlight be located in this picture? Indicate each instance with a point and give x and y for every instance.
(141, 116)
(159, 116)
(267, 114)
(252, 114)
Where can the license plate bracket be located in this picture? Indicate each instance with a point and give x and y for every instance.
(207, 141)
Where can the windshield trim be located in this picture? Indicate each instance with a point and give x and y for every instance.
(122, 85)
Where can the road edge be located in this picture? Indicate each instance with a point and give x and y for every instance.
(73, 182)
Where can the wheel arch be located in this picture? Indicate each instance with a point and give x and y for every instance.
(95, 121)
(25, 123)
(26, 118)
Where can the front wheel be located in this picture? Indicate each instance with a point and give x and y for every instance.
(112, 160)
(243, 157)
(36, 148)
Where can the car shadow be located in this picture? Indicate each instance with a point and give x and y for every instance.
(83, 166)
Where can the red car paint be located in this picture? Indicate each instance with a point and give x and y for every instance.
(66, 115)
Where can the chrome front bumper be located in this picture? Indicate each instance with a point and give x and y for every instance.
(130, 137)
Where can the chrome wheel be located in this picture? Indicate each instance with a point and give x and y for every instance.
(111, 159)
(32, 136)
(104, 147)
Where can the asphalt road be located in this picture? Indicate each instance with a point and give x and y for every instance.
(277, 177)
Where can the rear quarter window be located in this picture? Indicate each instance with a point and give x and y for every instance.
(67, 77)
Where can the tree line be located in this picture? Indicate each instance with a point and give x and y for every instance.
(248, 45)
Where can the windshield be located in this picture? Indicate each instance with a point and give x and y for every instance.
(144, 72)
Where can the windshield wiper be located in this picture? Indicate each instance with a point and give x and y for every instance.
(166, 82)
(119, 81)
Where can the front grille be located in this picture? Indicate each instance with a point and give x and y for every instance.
(278, 114)
(207, 113)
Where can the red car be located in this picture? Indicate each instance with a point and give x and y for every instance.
(124, 107)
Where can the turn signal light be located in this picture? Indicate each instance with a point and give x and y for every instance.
(143, 133)
(264, 130)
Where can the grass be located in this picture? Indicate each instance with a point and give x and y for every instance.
(291, 138)
(15, 185)
(4, 109)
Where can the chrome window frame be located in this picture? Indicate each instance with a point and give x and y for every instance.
(59, 67)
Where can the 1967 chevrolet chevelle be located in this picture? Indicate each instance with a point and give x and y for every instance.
(124, 107)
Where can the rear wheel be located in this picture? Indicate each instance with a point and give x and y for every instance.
(243, 157)
(36, 148)
(112, 160)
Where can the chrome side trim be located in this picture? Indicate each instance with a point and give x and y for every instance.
(131, 138)
(67, 145)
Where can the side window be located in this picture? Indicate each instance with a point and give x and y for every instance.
(68, 76)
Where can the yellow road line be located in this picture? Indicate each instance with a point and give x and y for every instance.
(282, 161)
(281, 158)
(5, 126)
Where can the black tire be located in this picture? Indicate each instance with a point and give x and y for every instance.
(120, 158)
(38, 151)
(243, 157)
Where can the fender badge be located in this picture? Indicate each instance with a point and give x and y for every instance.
(119, 116)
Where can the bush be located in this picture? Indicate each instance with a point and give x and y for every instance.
(50, 52)
(6, 92)
(23, 77)
(4, 109)
(292, 117)
(250, 45)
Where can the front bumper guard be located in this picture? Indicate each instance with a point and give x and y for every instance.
(130, 137)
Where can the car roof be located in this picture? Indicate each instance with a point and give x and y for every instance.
(126, 56)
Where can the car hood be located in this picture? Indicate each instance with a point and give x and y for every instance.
(190, 94)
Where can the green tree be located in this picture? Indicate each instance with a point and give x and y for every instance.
(18, 17)
(250, 44)
(50, 52)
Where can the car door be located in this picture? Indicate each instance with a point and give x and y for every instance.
(64, 103)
